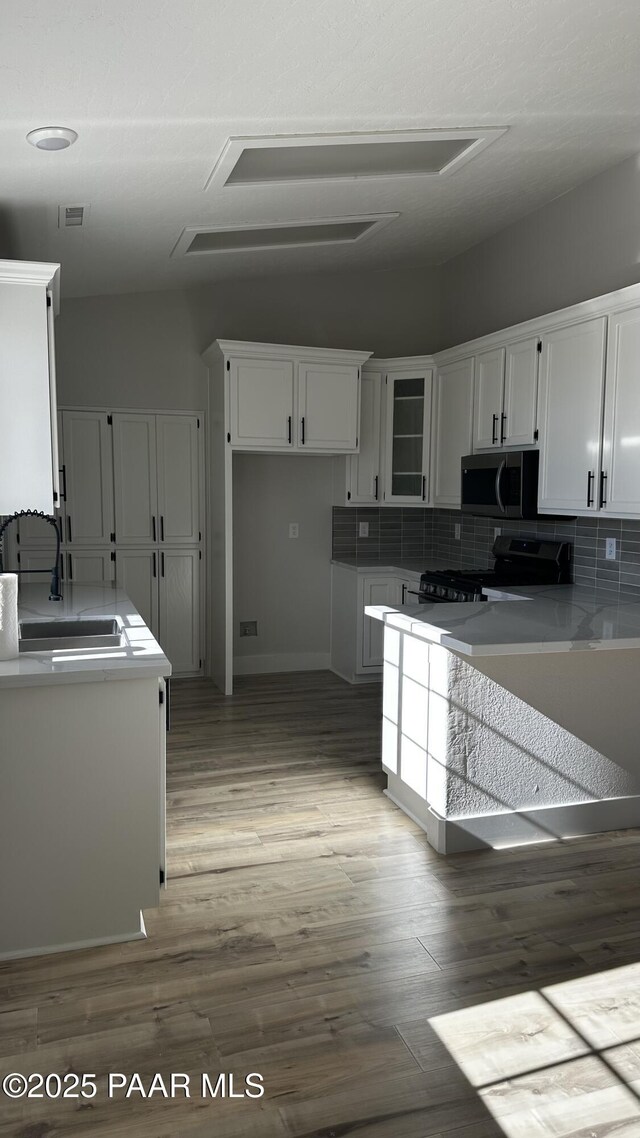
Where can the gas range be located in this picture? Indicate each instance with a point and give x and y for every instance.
(517, 561)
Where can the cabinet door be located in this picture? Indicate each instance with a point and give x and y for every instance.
(261, 403)
(408, 419)
(376, 591)
(570, 416)
(328, 402)
(41, 561)
(33, 532)
(137, 573)
(89, 565)
(488, 399)
(179, 608)
(87, 478)
(619, 484)
(520, 393)
(135, 478)
(452, 429)
(177, 440)
(363, 469)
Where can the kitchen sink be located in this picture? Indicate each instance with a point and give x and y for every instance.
(58, 635)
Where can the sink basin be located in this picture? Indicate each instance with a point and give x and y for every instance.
(57, 635)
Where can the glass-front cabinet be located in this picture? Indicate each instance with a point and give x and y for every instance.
(408, 429)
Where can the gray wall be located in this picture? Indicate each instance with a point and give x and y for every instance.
(143, 349)
(581, 245)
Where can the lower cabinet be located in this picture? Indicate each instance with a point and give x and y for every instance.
(85, 566)
(356, 640)
(164, 586)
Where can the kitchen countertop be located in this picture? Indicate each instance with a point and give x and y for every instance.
(400, 565)
(139, 655)
(555, 618)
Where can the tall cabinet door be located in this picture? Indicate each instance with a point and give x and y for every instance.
(489, 389)
(328, 407)
(452, 429)
(137, 573)
(363, 469)
(570, 416)
(619, 484)
(177, 439)
(87, 478)
(520, 393)
(408, 422)
(179, 608)
(261, 410)
(135, 479)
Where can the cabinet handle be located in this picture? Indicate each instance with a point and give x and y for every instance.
(424, 487)
(603, 479)
(69, 539)
(153, 525)
(494, 428)
(289, 428)
(161, 527)
(63, 472)
(302, 430)
(404, 593)
(162, 564)
(590, 480)
(154, 564)
(375, 483)
(503, 419)
(70, 567)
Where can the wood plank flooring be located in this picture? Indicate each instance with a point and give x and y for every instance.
(310, 934)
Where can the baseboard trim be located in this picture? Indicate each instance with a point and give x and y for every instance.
(281, 662)
(77, 945)
(515, 827)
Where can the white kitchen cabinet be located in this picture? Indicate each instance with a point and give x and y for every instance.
(87, 478)
(407, 436)
(87, 566)
(178, 456)
(505, 395)
(363, 469)
(570, 416)
(40, 561)
(375, 590)
(328, 406)
(618, 490)
(164, 586)
(261, 403)
(356, 640)
(135, 478)
(29, 477)
(453, 427)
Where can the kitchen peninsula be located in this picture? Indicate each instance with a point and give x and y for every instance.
(512, 720)
(82, 785)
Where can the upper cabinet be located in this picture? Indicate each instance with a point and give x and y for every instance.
(453, 428)
(506, 386)
(87, 478)
(619, 486)
(363, 469)
(29, 452)
(408, 397)
(570, 415)
(282, 398)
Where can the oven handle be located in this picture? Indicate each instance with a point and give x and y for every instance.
(498, 479)
(406, 591)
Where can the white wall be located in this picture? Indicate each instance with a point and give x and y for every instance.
(143, 349)
(282, 583)
(581, 245)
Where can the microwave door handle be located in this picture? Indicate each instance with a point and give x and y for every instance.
(498, 480)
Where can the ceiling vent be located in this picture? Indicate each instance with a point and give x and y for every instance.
(197, 240)
(72, 216)
(315, 158)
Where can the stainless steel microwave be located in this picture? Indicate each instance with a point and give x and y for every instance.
(501, 484)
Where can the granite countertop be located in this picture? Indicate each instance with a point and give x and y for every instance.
(138, 656)
(398, 565)
(555, 618)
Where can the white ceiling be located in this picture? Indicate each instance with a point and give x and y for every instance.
(155, 90)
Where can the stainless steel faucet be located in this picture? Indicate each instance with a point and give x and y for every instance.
(54, 591)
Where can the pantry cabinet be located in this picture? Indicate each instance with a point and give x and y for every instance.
(505, 395)
(408, 396)
(87, 478)
(164, 585)
(364, 469)
(156, 474)
(453, 427)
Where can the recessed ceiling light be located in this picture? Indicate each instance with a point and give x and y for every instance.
(52, 137)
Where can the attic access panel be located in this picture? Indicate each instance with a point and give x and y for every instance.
(201, 239)
(315, 158)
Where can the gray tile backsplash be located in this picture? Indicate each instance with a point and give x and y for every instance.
(411, 533)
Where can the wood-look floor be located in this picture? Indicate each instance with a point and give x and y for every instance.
(310, 934)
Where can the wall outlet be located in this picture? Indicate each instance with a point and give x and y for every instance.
(457, 531)
(293, 529)
(497, 531)
(248, 628)
(610, 549)
(363, 529)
